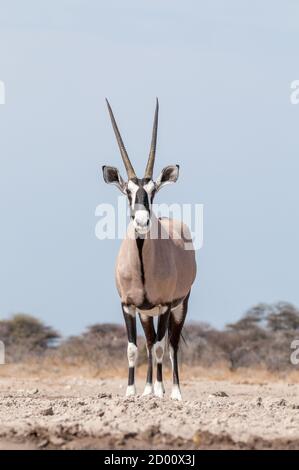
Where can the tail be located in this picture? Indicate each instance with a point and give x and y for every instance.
(183, 335)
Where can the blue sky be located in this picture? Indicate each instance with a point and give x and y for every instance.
(222, 72)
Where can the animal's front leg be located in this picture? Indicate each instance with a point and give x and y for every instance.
(150, 335)
(159, 348)
(132, 351)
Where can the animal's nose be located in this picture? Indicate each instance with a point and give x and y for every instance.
(142, 218)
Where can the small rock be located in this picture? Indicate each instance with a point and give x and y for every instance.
(57, 441)
(120, 442)
(152, 405)
(151, 431)
(220, 394)
(197, 438)
(259, 401)
(48, 411)
(43, 443)
(129, 435)
(282, 402)
(104, 395)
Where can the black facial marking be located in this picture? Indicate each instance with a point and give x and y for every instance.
(153, 194)
(141, 200)
(129, 196)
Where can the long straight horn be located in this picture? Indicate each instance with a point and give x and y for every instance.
(151, 159)
(128, 165)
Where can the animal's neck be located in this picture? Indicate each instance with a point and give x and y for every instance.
(140, 243)
(146, 246)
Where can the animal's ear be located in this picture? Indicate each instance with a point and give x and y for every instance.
(168, 175)
(111, 176)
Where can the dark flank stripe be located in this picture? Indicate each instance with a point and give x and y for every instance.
(140, 242)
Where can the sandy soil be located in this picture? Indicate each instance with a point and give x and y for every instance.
(74, 412)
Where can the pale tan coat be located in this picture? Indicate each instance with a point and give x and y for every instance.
(169, 268)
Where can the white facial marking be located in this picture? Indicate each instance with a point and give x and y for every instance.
(149, 187)
(141, 216)
(176, 393)
(159, 389)
(132, 352)
(131, 391)
(133, 189)
(141, 219)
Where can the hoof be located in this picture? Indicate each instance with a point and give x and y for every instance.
(148, 390)
(131, 391)
(176, 393)
(159, 389)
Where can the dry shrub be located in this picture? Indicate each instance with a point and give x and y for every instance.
(104, 345)
(261, 338)
(25, 336)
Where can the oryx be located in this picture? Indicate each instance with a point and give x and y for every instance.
(154, 270)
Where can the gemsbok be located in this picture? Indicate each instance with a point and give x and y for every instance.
(154, 270)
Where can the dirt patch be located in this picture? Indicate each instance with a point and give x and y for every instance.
(77, 412)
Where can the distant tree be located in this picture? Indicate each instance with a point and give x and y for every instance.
(284, 316)
(254, 318)
(24, 335)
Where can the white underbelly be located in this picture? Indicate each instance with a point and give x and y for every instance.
(153, 312)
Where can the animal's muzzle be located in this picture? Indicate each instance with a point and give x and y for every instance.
(142, 221)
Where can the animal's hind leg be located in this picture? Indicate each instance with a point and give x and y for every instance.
(176, 323)
(159, 348)
(150, 335)
(132, 352)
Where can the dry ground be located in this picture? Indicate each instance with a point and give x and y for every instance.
(54, 406)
